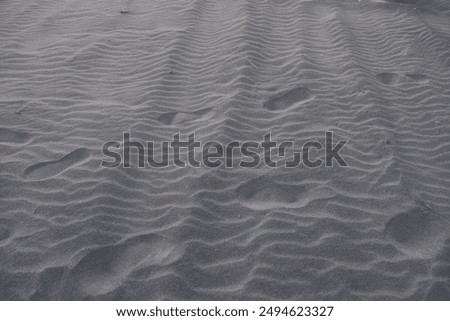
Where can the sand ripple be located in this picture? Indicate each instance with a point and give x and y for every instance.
(79, 73)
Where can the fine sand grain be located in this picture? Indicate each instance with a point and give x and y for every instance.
(77, 73)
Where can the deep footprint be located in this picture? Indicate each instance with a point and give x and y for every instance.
(419, 232)
(52, 168)
(12, 136)
(104, 269)
(288, 99)
(388, 78)
(263, 193)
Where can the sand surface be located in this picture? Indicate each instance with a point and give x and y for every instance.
(77, 73)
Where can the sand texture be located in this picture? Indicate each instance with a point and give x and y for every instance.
(77, 73)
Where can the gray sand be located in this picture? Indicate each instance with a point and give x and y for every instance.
(75, 74)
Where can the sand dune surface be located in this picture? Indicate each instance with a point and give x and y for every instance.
(75, 74)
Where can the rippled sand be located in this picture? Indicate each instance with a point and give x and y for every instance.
(75, 74)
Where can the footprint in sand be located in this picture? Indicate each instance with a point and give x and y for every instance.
(440, 291)
(52, 168)
(418, 77)
(388, 78)
(173, 118)
(419, 232)
(13, 137)
(289, 99)
(403, 1)
(104, 269)
(263, 193)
